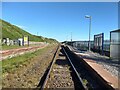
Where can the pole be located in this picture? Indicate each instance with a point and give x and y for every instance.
(71, 36)
(89, 33)
(71, 39)
(102, 43)
(37, 33)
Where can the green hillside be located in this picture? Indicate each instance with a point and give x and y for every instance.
(14, 32)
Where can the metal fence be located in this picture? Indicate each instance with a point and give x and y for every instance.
(106, 45)
(84, 44)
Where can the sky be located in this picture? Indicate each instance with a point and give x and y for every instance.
(60, 20)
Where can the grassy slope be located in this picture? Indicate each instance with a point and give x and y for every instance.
(14, 32)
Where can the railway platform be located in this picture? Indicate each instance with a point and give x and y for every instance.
(98, 63)
(106, 75)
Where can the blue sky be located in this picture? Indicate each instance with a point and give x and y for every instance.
(58, 19)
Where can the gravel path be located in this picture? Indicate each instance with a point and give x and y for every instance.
(60, 76)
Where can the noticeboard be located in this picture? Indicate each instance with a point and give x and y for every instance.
(26, 40)
(98, 41)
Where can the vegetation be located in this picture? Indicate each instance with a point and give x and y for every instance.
(11, 64)
(5, 47)
(14, 32)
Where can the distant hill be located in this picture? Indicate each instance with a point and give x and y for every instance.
(14, 32)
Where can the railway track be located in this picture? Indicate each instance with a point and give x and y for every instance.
(67, 71)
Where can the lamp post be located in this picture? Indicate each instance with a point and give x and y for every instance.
(87, 16)
(71, 36)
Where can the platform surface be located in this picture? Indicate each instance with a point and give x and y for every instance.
(106, 75)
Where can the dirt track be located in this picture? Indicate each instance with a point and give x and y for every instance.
(28, 75)
(14, 52)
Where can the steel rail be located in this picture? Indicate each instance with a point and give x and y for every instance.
(50, 68)
(80, 79)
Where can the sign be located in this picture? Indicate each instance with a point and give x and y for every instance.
(98, 41)
(26, 40)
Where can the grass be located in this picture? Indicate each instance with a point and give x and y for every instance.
(9, 65)
(14, 32)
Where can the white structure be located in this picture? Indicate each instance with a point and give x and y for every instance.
(11, 42)
(8, 41)
(21, 41)
(0, 41)
(115, 44)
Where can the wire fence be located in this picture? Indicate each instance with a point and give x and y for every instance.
(84, 45)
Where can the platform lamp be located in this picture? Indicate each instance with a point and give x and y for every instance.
(88, 16)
